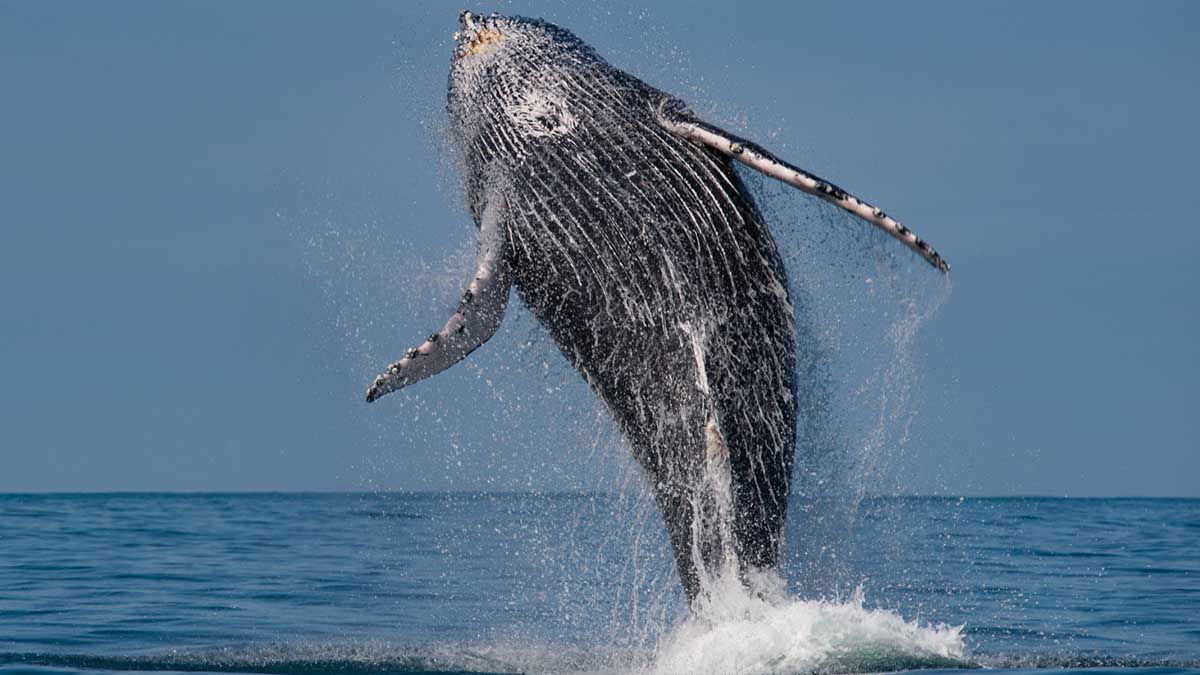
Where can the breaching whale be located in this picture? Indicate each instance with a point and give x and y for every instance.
(620, 219)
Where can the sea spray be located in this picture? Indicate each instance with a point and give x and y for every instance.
(861, 305)
(748, 622)
(765, 631)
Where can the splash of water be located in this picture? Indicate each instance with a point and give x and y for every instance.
(747, 622)
(765, 631)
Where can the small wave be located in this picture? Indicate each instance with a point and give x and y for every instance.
(285, 659)
(377, 658)
(1090, 662)
(385, 515)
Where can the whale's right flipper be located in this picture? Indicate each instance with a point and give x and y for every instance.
(674, 116)
(479, 313)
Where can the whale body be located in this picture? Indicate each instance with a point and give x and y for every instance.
(621, 221)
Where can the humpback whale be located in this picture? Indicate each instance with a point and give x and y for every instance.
(619, 217)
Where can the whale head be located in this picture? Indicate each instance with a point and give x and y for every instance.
(492, 50)
(510, 85)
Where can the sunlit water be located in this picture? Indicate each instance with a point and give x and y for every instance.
(376, 583)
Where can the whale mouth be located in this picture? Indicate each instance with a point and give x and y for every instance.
(476, 34)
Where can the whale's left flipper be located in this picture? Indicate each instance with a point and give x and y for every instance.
(675, 117)
(479, 313)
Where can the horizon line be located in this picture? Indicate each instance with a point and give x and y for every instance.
(537, 493)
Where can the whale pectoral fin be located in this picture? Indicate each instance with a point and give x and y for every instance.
(479, 314)
(674, 116)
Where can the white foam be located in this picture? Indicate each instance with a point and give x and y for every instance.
(734, 631)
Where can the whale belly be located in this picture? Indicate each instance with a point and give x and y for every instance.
(629, 252)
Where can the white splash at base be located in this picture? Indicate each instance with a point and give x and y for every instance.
(736, 631)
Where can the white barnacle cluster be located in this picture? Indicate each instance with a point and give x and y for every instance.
(537, 112)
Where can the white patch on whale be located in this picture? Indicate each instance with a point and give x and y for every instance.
(540, 114)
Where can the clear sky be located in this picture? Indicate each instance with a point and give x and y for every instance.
(219, 220)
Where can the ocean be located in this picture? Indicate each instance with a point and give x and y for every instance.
(572, 583)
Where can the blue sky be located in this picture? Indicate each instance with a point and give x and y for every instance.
(218, 220)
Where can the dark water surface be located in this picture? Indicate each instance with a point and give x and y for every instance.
(374, 583)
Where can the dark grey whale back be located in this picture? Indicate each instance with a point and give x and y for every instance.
(647, 260)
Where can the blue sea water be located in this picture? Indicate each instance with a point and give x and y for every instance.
(547, 583)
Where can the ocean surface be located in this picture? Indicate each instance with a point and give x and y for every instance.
(566, 583)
